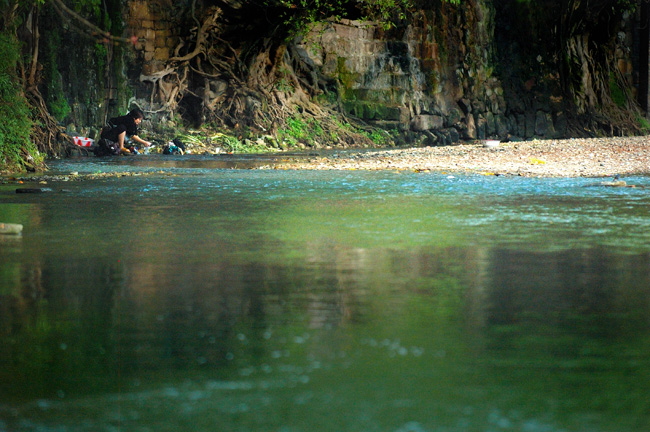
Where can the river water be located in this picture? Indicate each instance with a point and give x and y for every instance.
(203, 298)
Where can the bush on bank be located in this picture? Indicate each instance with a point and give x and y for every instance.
(16, 125)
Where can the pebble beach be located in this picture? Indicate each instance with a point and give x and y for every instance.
(594, 157)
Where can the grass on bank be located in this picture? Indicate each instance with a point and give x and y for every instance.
(16, 126)
(297, 133)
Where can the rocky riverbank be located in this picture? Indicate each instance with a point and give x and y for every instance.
(597, 157)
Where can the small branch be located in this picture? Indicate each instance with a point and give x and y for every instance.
(201, 37)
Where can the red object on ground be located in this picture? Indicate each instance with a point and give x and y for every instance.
(83, 141)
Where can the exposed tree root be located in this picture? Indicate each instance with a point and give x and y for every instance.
(256, 85)
(598, 113)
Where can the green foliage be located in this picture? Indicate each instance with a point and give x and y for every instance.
(618, 94)
(16, 126)
(100, 54)
(297, 16)
(310, 132)
(298, 130)
(54, 95)
(644, 125)
(327, 98)
(229, 143)
(284, 83)
(233, 144)
(626, 5)
(381, 137)
(114, 24)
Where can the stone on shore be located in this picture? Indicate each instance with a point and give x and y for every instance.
(10, 229)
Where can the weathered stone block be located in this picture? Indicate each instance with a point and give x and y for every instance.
(521, 125)
(373, 95)
(161, 54)
(443, 137)
(330, 64)
(161, 25)
(354, 108)
(478, 106)
(384, 112)
(377, 47)
(530, 125)
(502, 127)
(454, 116)
(551, 128)
(157, 66)
(470, 129)
(465, 105)
(404, 115)
(426, 122)
(481, 126)
(560, 125)
(367, 64)
(367, 49)
(372, 111)
(400, 81)
(454, 135)
(541, 125)
(139, 10)
(349, 32)
(490, 124)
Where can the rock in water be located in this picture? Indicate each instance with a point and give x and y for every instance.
(6, 228)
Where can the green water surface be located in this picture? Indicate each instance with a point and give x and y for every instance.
(197, 298)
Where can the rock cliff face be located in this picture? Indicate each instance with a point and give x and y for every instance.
(449, 73)
(435, 76)
(453, 72)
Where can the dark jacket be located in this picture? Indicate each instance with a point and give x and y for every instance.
(118, 125)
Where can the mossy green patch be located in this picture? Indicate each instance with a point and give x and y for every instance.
(53, 92)
(372, 111)
(618, 94)
(16, 125)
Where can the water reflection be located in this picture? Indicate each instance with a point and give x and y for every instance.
(213, 307)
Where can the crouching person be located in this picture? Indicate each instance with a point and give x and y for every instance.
(113, 140)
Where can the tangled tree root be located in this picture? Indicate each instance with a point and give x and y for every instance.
(259, 86)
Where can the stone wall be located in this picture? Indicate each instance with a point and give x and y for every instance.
(434, 77)
(149, 22)
(437, 76)
(375, 74)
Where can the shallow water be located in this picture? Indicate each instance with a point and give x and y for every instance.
(204, 298)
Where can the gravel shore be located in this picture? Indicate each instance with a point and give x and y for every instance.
(597, 157)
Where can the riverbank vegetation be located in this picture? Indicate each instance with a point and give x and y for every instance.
(17, 150)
